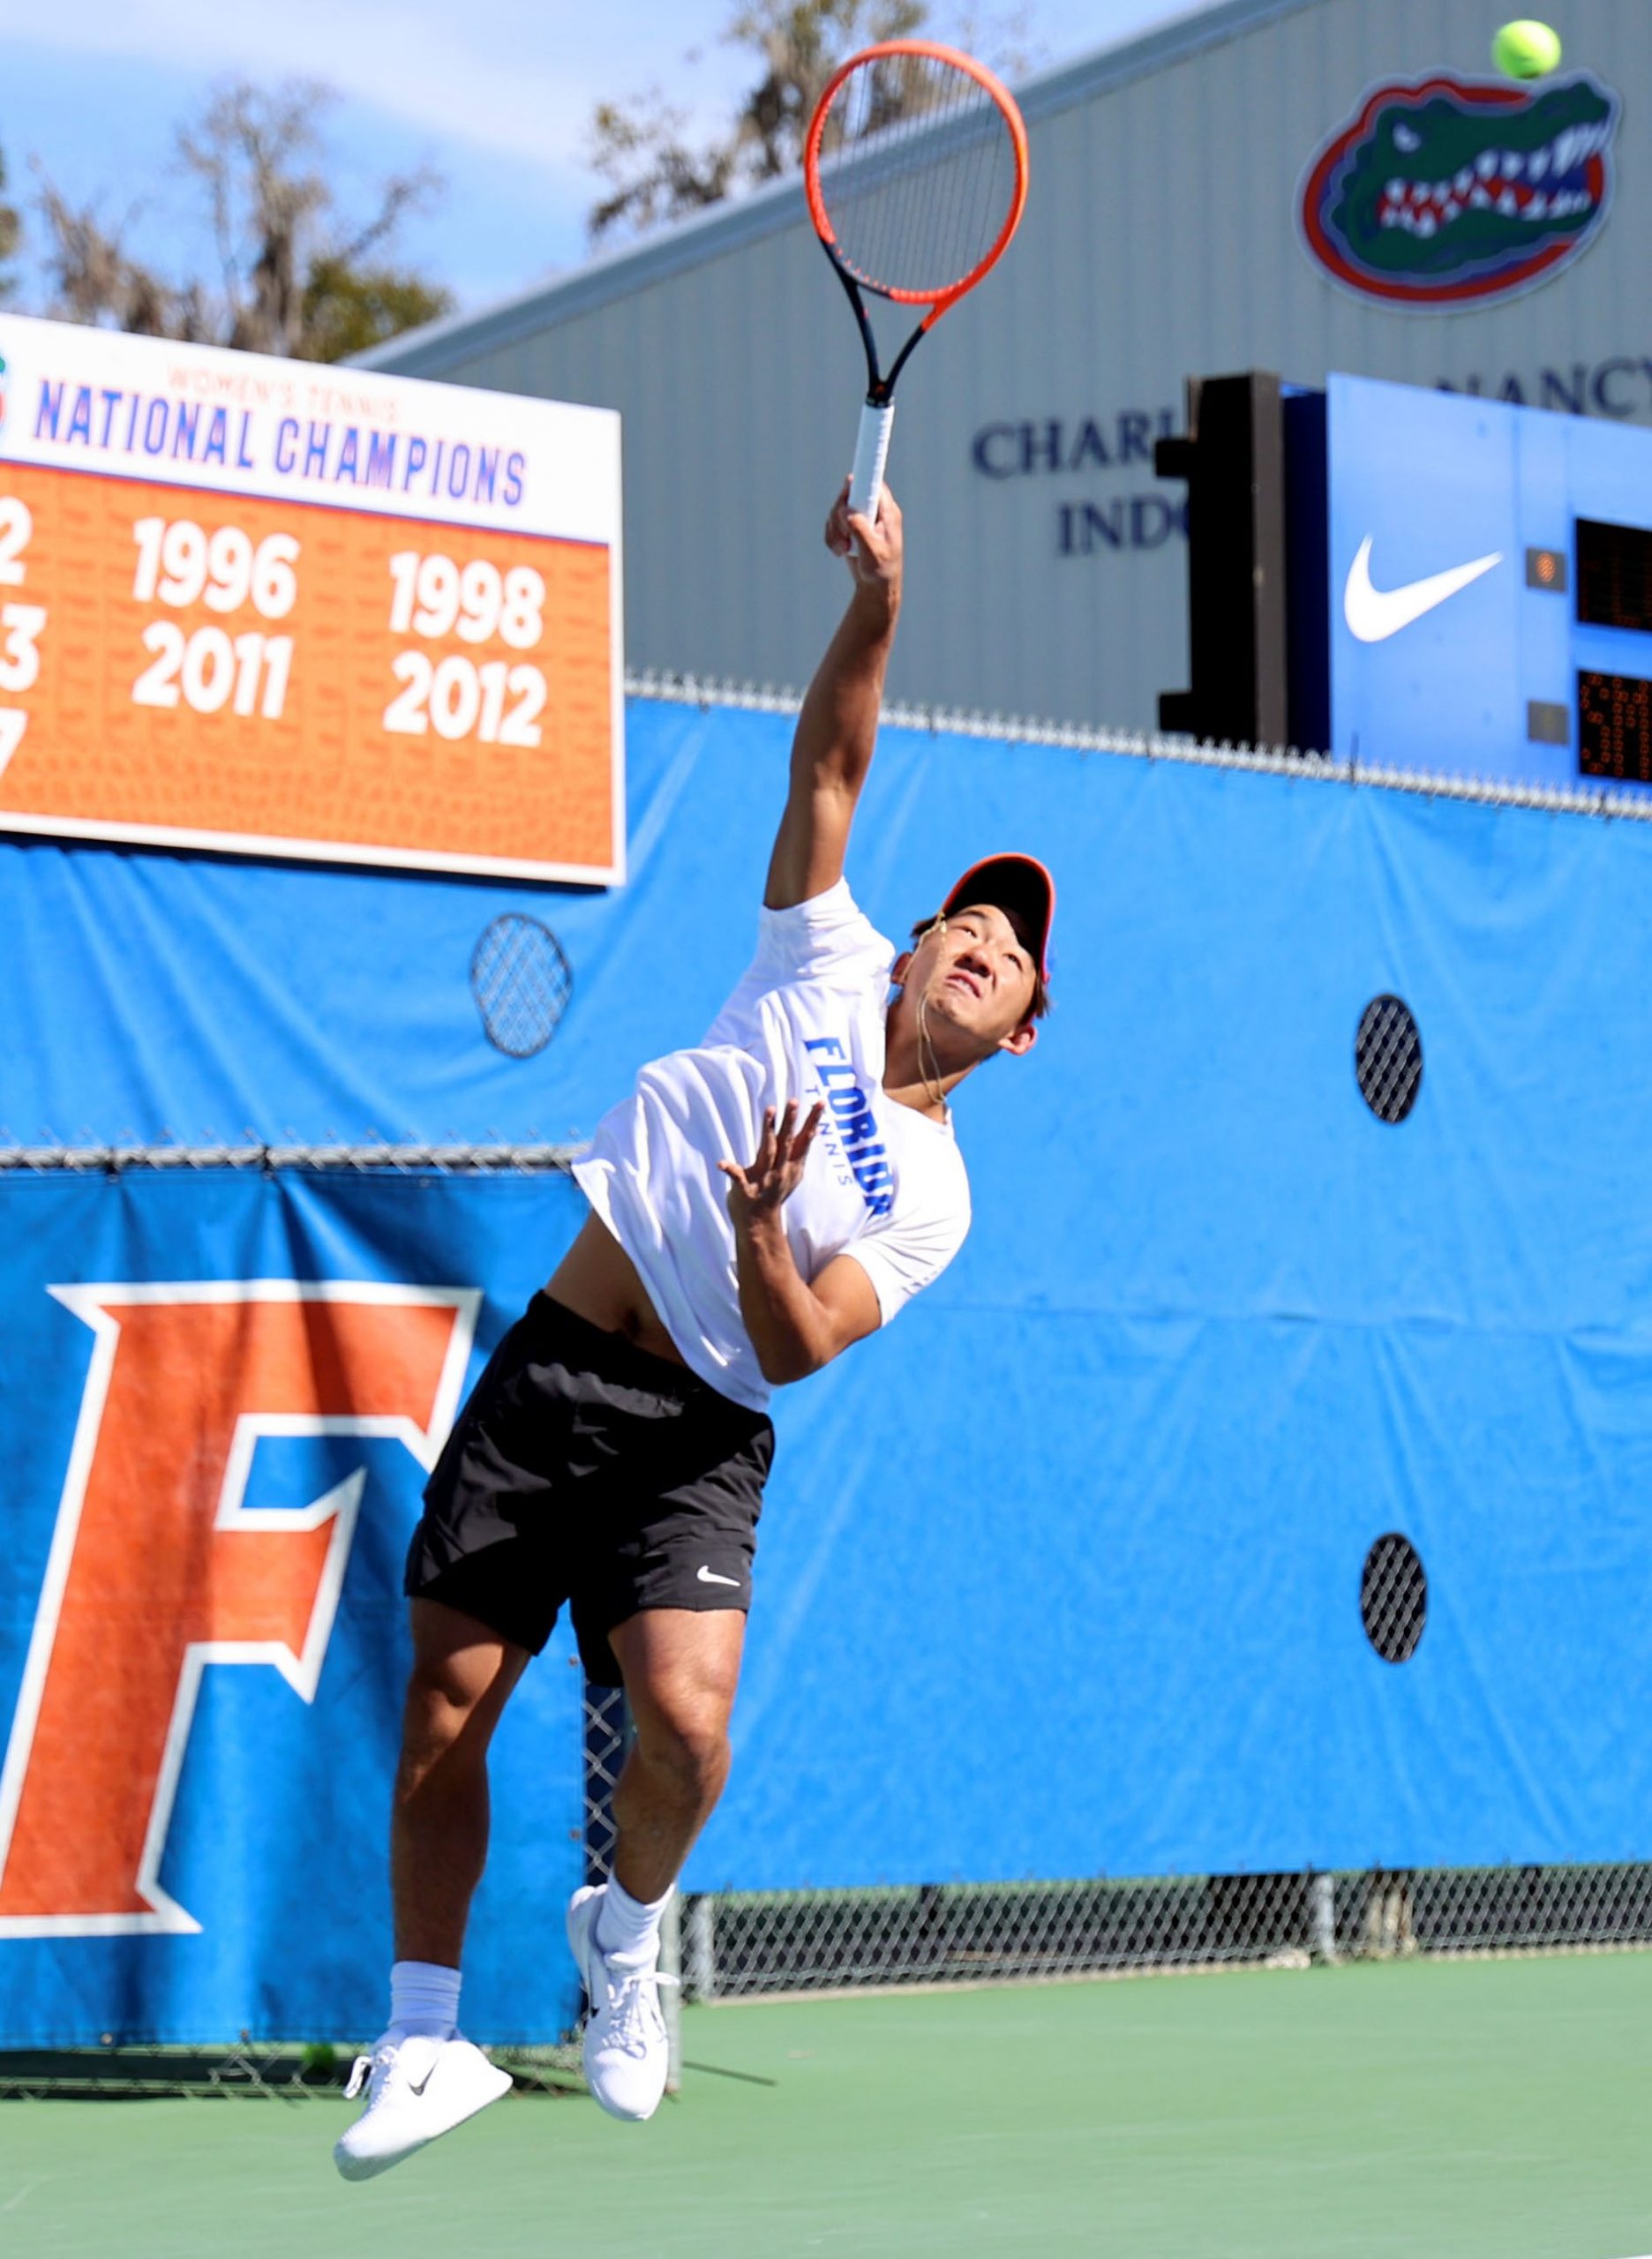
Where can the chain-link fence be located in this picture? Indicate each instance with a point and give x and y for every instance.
(44, 1159)
(735, 1945)
(741, 1946)
(1296, 761)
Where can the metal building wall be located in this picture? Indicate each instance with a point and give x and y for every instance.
(1159, 242)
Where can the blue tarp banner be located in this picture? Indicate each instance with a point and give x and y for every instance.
(1061, 1575)
(221, 1393)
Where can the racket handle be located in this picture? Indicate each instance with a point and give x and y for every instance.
(865, 480)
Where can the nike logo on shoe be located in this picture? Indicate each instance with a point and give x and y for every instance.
(710, 1576)
(1374, 614)
(405, 2111)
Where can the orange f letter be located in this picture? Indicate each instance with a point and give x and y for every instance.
(158, 1567)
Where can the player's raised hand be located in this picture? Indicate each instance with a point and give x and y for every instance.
(763, 1188)
(874, 549)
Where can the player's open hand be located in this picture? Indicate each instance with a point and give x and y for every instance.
(874, 549)
(763, 1188)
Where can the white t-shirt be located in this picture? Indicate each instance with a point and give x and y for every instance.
(882, 1183)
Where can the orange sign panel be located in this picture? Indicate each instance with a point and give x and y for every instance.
(220, 669)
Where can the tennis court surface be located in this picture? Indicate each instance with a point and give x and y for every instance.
(1442, 2110)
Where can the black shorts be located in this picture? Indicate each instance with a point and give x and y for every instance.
(584, 1470)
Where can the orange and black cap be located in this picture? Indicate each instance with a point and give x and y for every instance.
(1019, 885)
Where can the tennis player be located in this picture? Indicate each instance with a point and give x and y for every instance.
(759, 1204)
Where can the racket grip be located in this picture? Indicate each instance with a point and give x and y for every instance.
(865, 480)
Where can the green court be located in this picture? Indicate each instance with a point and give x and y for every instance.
(1441, 2110)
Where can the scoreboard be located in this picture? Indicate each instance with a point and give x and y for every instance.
(287, 609)
(1614, 590)
(1489, 588)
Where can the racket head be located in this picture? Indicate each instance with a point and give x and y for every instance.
(919, 209)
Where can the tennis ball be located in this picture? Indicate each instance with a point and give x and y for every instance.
(1526, 48)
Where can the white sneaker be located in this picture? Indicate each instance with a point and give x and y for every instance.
(416, 2089)
(627, 2056)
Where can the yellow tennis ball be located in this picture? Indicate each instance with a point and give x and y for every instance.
(1526, 48)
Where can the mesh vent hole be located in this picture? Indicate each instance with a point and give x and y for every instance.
(521, 982)
(1393, 1597)
(1388, 1058)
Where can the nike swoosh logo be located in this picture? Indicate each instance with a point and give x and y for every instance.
(1375, 614)
(710, 1576)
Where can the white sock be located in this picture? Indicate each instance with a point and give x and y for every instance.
(424, 2000)
(625, 1926)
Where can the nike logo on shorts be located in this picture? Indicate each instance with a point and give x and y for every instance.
(710, 1576)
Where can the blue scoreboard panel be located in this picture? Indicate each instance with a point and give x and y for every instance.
(1489, 588)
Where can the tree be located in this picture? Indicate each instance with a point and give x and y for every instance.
(11, 235)
(349, 308)
(655, 173)
(292, 277)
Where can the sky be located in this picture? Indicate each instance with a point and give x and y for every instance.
(496, 95)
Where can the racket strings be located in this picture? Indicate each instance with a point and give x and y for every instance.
(918, 175)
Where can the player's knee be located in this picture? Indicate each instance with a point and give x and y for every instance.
(690, 1747)
(442, 1703)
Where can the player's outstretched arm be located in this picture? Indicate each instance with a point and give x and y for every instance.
(838, 727)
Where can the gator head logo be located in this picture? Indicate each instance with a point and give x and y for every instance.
(1446, 194)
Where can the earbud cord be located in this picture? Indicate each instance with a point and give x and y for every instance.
(931, 1072)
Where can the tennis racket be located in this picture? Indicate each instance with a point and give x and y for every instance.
(916, 173)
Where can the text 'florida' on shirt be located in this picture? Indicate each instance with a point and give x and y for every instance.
(882, 1183)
